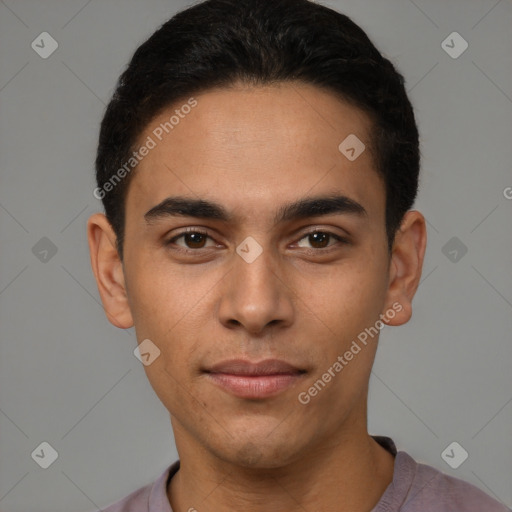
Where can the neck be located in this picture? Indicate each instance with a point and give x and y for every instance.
(345, 474)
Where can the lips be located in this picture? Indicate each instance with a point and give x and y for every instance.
(245, 379)
(243, 367)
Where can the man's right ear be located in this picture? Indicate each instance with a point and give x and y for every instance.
(108, 271)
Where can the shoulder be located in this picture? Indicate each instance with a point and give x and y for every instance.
(136, 501)
(150, 498)
(433, 490)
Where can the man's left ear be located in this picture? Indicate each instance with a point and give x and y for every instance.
(406, 264)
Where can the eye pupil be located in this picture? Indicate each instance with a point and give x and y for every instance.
(321, 238)
(195, 240)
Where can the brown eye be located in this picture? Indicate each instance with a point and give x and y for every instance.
(192, 239)
(320, 240)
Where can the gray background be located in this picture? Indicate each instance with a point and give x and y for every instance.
(69, 378)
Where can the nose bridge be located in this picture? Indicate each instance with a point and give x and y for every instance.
(258, 270)
(255, 295)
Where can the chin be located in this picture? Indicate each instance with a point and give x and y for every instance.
(252, 454)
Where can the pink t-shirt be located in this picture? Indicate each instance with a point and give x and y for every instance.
(415, 488)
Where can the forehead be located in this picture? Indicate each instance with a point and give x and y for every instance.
(252, 147)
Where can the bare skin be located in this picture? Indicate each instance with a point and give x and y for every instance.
(303, 300)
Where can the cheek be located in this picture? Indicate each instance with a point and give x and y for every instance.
(157, 300)
(167, 310)
(351, 297)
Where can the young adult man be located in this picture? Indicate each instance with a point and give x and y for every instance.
(257, 164)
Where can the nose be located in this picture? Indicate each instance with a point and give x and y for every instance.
(255, 295)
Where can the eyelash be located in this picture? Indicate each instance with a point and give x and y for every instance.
(200, 231)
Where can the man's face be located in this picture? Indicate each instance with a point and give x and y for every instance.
(303, 300)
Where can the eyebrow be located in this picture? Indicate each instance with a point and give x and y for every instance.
(300, 209)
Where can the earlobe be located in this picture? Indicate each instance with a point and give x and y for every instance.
(406, 264)
(108, 271)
